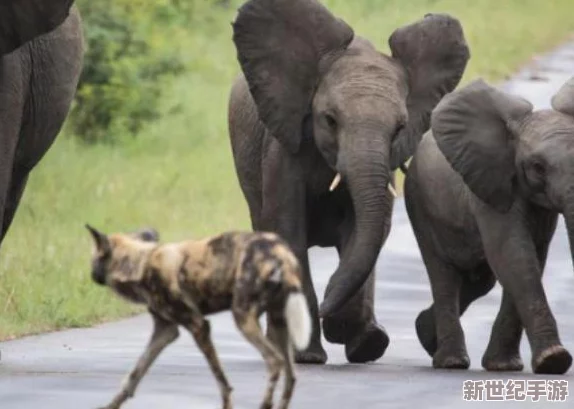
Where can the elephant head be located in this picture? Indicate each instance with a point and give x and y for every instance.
(502, 148)
(310, 77)
(23, 20)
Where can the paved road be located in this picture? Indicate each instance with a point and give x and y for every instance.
(82, 368)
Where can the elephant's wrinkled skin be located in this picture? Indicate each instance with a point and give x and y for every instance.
(314, 101)
(483, 194)
(41, 52)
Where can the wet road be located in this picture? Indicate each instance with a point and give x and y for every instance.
(83, 368)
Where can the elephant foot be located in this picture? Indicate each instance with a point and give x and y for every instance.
(426, 331)
(553, 360)
(314, 354)
(502, 360)
(449, 358)
(367, 345)
(338, 331)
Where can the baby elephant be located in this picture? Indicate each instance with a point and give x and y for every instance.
(180, 283)
(483, 194)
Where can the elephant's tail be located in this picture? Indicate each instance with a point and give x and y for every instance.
(298, 319)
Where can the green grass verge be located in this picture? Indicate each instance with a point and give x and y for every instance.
(178, 174)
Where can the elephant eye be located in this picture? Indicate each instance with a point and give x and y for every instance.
(539, 168)
(400, 126)
(331, 121)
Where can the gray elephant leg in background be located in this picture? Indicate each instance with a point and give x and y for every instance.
(475, 284)
(11, 104)
(37, 84)
(284, 212)
(17, 186)
(355, 324)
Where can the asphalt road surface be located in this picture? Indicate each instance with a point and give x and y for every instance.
(79, 369)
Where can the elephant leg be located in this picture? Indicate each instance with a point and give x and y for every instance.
(474, 285)
(446, 284)
(512, 254)
(15, 192)
(284, 212)
(503, 351)
(314, 354)
(355, 325)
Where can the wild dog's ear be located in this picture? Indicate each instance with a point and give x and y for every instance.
(148, 234)
(100, 239)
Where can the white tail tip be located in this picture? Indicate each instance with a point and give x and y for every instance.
(298, 320)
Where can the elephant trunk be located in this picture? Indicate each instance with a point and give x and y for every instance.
(367, 176)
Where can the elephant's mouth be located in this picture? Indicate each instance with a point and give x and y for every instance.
(337, 179)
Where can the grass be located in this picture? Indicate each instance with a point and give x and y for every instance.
(178, 174)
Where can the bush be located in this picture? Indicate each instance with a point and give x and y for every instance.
(132, 53)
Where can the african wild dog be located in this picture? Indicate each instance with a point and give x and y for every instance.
(248, 273)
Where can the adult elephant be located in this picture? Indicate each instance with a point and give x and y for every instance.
(483, 194)
(41, 51)
(316, 104)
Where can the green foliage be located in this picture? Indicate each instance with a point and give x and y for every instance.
(131, 57)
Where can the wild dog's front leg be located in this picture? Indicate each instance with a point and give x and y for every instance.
(201, 331)
(164, 333)
(285, 212)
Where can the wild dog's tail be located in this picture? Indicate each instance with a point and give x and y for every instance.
(298, 319)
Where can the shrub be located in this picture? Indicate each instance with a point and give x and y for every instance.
(132, 53)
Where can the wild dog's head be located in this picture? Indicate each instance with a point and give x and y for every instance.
(117, 257)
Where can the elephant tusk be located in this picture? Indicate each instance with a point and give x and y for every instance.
(392, 190)
(335, 182)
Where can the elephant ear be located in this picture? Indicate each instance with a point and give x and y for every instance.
(23, 20)
(434, 53)
(282, 47)
(475, 128)
(563, 101)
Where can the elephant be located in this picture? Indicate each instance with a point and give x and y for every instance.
(318, 122)
(483, 193)
(41, 56)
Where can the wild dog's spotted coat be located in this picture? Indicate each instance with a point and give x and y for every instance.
(247, 273)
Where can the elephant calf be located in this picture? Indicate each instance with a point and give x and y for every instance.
(483, 194)
(317, 104)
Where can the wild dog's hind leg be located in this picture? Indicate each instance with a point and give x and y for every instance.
(164, 333)
(201, 332)
(279, 335)
(248, 324)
